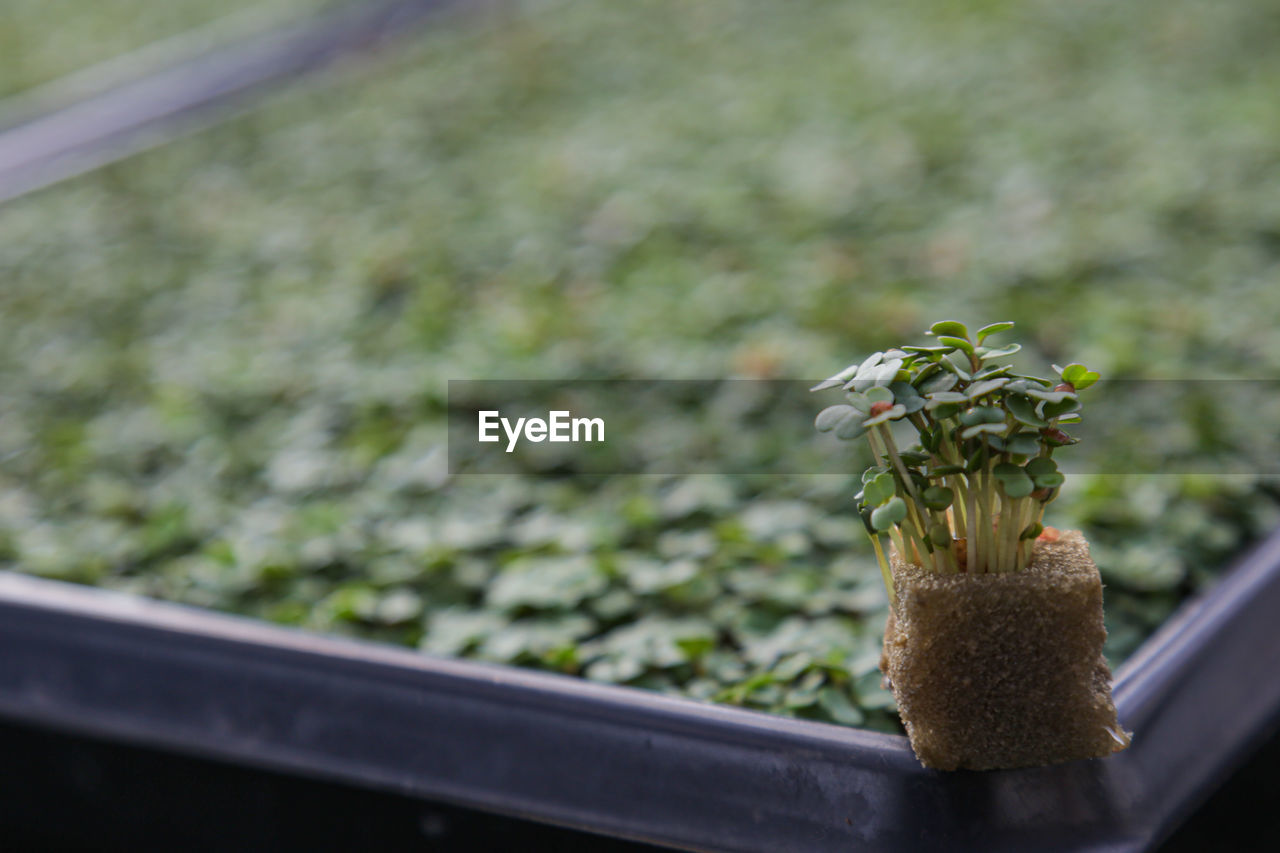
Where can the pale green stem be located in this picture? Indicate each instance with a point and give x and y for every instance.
(984, 513)
(1003, 516)
(913, 505)
(896, 536)
(971, 529)
(886, 438)
(885, 572)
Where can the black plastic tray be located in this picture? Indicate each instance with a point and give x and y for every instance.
(1199, 696)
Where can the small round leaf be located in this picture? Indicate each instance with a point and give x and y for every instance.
(993, 328)
(891, 513)
(1024, 411)
(832, 416)
(1001, 352)
(979, 429)
(879, 394)
(951, 328)
(982, 415)
(851, 428)
(959, 343)
(942, 382)
(1060, 408)
(880, 489)
(1023, 444)
(937, 497)
(981, 389)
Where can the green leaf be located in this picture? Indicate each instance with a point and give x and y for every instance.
(993, 328)
(891, 513)
(959, 366)
(1023, 444)
(939, 397)
(945, 410)
(1007, 471)
(913, 457)
(1001, 352)
(832, 416)
(838, 379)
(1013, 480)
(974, 461)
(912, 404)
(1059, 408)
(859, 402)
(982, 415)
(879, 394)
(1049, 396)
(979, 429)
(694, 648)
(865, 515)
(937, 497)
(1044, 471)
(1079, 376)
(981, 389)
(851, 428)
(942, 382)
(880, 489)
(990, 371)
(1024, 411)
(870, 361)
(1041, 465)
(950, 328)
(906, 394)
(945, 470)
(924, 371)
(930, 439)
(940, 535)
(959, 343)
(1050, 481)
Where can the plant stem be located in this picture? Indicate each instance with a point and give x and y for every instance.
(886, 439)
(971, 529)
(1003, 516)
(916, 529)
(985, 521)
(896, 537)
(885, 572)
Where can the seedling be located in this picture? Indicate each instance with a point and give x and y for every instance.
(970, 495)
(993, 647)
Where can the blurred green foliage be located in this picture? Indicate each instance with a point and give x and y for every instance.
(223, 363)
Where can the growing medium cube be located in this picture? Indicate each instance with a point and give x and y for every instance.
(1006, 669)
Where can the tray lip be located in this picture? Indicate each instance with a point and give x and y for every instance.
(1146, 687)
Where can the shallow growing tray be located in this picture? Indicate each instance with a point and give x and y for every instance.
(1199, 696)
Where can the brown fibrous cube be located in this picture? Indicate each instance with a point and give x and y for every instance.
(1003, 670)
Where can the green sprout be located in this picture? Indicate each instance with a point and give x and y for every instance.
(970, 495)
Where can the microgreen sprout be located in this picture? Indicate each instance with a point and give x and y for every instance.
(970, 495)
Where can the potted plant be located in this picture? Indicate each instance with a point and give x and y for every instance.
(993, 646)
